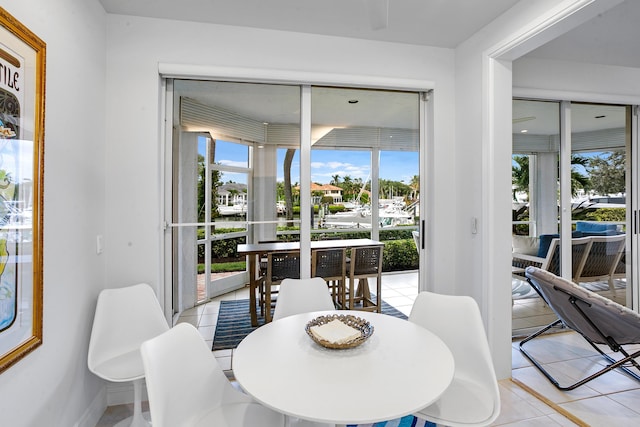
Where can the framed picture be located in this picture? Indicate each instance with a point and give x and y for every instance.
(22, 83)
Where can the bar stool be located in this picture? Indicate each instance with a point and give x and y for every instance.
(262, 265)
(280, 266)
(331, 265)
(365, 262)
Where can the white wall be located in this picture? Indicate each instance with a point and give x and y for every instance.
(106, 179)
(135, 48)
(468, 170)
(52, 386)
(483, 144)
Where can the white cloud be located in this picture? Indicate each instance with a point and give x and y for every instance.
(233, 163)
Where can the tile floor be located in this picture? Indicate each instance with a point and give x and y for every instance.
(527, 400)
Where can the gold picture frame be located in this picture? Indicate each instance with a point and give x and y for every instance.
(22, 95)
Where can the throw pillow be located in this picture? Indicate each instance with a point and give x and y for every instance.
(526, 245)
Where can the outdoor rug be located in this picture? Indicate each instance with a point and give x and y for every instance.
(234, 323)
(408, 421)
(521, 289)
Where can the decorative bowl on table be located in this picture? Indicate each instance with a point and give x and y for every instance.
(339, 331)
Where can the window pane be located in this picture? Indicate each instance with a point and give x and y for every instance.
(599, 156)
(365, 153)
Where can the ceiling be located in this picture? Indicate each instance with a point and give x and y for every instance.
(421, 22)
(611, 38)
(336, 107)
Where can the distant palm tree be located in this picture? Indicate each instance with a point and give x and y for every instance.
(579, 181)
(347, 186)
(415, 186)
(520, 175)
(335, 179)
(288, 196)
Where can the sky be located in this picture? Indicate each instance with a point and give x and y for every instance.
(394, 166)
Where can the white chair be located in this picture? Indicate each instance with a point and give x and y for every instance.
(302, 296)
(416, 239)
(473, 398)
(124, 319)
(187, 387)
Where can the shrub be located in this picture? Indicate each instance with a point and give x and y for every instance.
(607, 214)
(336, 208)
(399, 255)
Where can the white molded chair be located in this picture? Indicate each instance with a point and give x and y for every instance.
(473, 398)
(416, 239)
(187, 387)
(302, 296)
(124, 319)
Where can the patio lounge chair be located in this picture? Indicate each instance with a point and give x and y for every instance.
(580, 248)
(602, 260)
(599, 320)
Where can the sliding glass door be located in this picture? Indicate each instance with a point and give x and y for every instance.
(570, 164)
(226, 140)
(240, 153)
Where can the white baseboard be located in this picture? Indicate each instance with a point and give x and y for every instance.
(122, 393)
(110, 395)
(92, 415)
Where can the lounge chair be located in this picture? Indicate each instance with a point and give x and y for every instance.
(580, 248)
(599, 320)
(603, 259)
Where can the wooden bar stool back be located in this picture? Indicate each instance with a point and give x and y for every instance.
(280, 266)
(331, 265)
(365, 262)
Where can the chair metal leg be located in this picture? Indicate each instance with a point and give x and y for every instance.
(628, 359)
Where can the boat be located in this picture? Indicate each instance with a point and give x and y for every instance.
(238, 209)
(360, 217)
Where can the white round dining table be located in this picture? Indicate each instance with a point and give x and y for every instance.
(400, 369)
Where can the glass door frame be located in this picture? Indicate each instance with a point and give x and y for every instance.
(633, 184)
(235, 281)
(426, 117)
(632, 190)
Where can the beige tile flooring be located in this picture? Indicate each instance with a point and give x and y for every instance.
(611, 400)
(527, 400)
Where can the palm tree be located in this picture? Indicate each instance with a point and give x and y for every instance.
(415, 186)
(520, 175)
(288, 196)
(347, 186)
(335, 179)
(577, 179)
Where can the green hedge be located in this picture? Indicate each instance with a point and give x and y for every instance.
(607, 214)
(399, 255)
(399, 250)
(227, 248)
